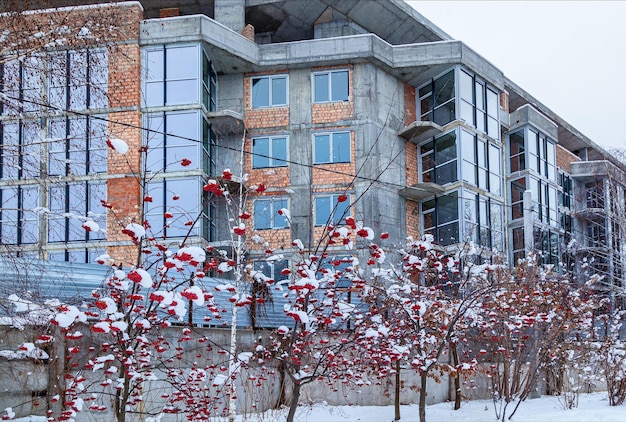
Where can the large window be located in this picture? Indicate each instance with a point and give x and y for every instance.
(70, 206)
(173, 137)
(78, 79)
(332, 148)
(269, 151)
(266, 213)
(519, 248)
(77, 146)
(331, 86)
(481, 163)
(21, 85)
(547, 246)
(483, 221)
(438, 159)
(517, 151)
(479, 104)
(518, 187)
(21, 152)
(172, 76)
(18, 222)
(331, 209)
(269, 91)
(441, 218)
(545, 201)
(541, 154)
(176, 208)
(436, 99)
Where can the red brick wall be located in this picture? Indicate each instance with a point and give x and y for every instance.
(269, 117)
(564, 158)
(335, 111)
(410, 105)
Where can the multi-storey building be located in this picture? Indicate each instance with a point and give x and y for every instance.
(342, 108)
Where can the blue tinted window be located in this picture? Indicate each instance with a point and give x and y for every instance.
(332, 148)
(269, 91)
(331, 86)
(266, 214)
(329, 209)
(269, 152)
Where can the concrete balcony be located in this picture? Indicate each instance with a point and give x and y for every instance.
(420, 191)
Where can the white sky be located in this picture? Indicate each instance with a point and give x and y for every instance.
(569, 55)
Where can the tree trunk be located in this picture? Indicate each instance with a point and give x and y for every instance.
(397, 397)
(422, 404)
(457, 379)
(295, 397)
(282, 387)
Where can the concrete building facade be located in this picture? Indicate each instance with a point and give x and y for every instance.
(341, 107)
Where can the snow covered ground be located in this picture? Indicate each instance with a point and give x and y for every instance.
(592, 408)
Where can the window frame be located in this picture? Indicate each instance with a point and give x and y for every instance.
(273, 162)
(331, 147)
(333, 207)
(183, 209)
(329, 74)
(433, 214)
(270, 207)
(423, 159)
(164, 83)
(271, 101)
(71, 228)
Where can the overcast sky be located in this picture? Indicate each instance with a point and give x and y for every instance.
(569, 55)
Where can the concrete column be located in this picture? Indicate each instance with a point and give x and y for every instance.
(529, 240)
(231, 13)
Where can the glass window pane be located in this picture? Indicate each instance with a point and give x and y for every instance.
(9, 213)
(467, 113)
(181, 63)
(443, 89)
(279, 152)
(56, 147)
(339, 86)
(262, 217)
(97, 145)
(480, 95)
(154, 65)
(154, 94)
(467, 87)
(10, 151)
(260, 92)
(341, 210)
(279, 91)
(182, 92)
(341, 147)
(322, 148)
(469, 172)
(322, 210)
(492, 104)
(321, 87)
(31, 155)
(447, 209)
(260, 146)
(155, 142)
(493, 128)
(444, 114)
(77, 146)
(445, 148)
(446, 173)
(280, 221)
